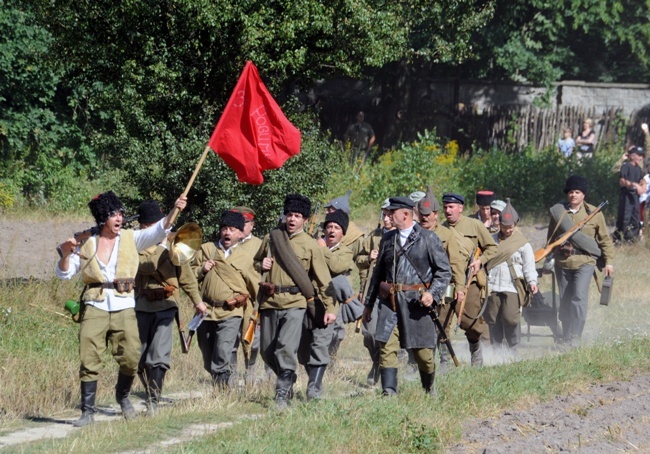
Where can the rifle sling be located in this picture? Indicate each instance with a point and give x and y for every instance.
(288, 261)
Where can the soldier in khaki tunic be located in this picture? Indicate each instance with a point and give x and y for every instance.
(156, 306)
(428, 209)
(283, 304)
(353, 240)
(576, 260)
(313, 352)
(228, 283)
(108, 262)
(366, 260)
(251, 244)
(483, 213)
(470, 234)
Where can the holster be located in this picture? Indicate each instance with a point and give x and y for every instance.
(237, 301)
(387, 292)
(267, 289)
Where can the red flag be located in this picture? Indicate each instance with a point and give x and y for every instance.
(253, 134)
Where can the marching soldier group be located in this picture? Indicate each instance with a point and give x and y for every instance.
(403, 282)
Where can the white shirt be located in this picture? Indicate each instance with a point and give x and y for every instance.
(404, 234)
(227, 252)
(113, 303)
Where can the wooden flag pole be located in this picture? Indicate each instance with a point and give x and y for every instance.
(176, 211)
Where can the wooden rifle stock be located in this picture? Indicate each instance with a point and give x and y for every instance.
(540, 254)
(470, 275)
(312, 220)
(249, 335)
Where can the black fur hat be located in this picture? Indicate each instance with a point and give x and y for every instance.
(576, 182)
(297, 203)
(232, 219)
(104, 205)
(149, 212)
(339, 217)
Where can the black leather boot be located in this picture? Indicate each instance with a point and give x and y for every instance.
(222, 380)
(373, 376)
(284, 388)
(428, 383)
(122, 390)
(155, 381)
(315, 383)
(88, 394)
(477, 353)
(388, 381)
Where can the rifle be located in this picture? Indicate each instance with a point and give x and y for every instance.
(312, 220)
(468, 278)
(82, 236)
(540, 254)
(443, 336)
(366, 282)
(249, 335)
(250, 330)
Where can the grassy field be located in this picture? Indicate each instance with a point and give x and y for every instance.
(39, 367)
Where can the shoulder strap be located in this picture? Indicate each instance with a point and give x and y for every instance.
(286, 258)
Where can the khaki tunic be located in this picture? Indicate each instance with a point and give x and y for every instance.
(339, 261)
(215, 288)
(370, 243)
(475, 234)
(457, 261)
(596, 228)
(157, 270)
(313, 261)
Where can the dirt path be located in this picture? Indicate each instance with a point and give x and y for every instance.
(608, 418)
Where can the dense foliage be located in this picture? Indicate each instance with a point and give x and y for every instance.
(532, 180)
(124, 95)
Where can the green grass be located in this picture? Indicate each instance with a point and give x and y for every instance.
(39, 369)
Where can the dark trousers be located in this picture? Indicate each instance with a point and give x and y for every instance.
(628, 221)
(574, 299)
(156, 330)
(280, 338)
(216, 341)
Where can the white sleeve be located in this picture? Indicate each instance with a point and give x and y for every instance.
(528, 257)
(150, 236)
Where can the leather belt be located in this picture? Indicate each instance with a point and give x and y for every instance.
(109, 285)
(409, 287)
(214, 303)
(286, 289)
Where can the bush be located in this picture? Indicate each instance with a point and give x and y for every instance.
(532, 180)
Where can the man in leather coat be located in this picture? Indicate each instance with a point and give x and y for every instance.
(410, 278)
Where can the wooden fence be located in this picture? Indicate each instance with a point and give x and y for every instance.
(515, 127)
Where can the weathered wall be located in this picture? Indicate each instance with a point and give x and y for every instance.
(407, 101)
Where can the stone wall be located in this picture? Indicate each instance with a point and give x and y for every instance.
(409, 101)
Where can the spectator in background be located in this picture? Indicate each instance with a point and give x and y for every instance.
(632, 185)
(646, 176)
(586, 140)
(360, 135)
(566, 144)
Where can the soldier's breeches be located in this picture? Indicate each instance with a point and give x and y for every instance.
(216, 341)
(156, 332)
(504, 307)
(120, 329)
(280, 331)
(314, 345)
(388, 354)
(474, 328)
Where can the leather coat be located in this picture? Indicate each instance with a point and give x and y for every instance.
(428, 264)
